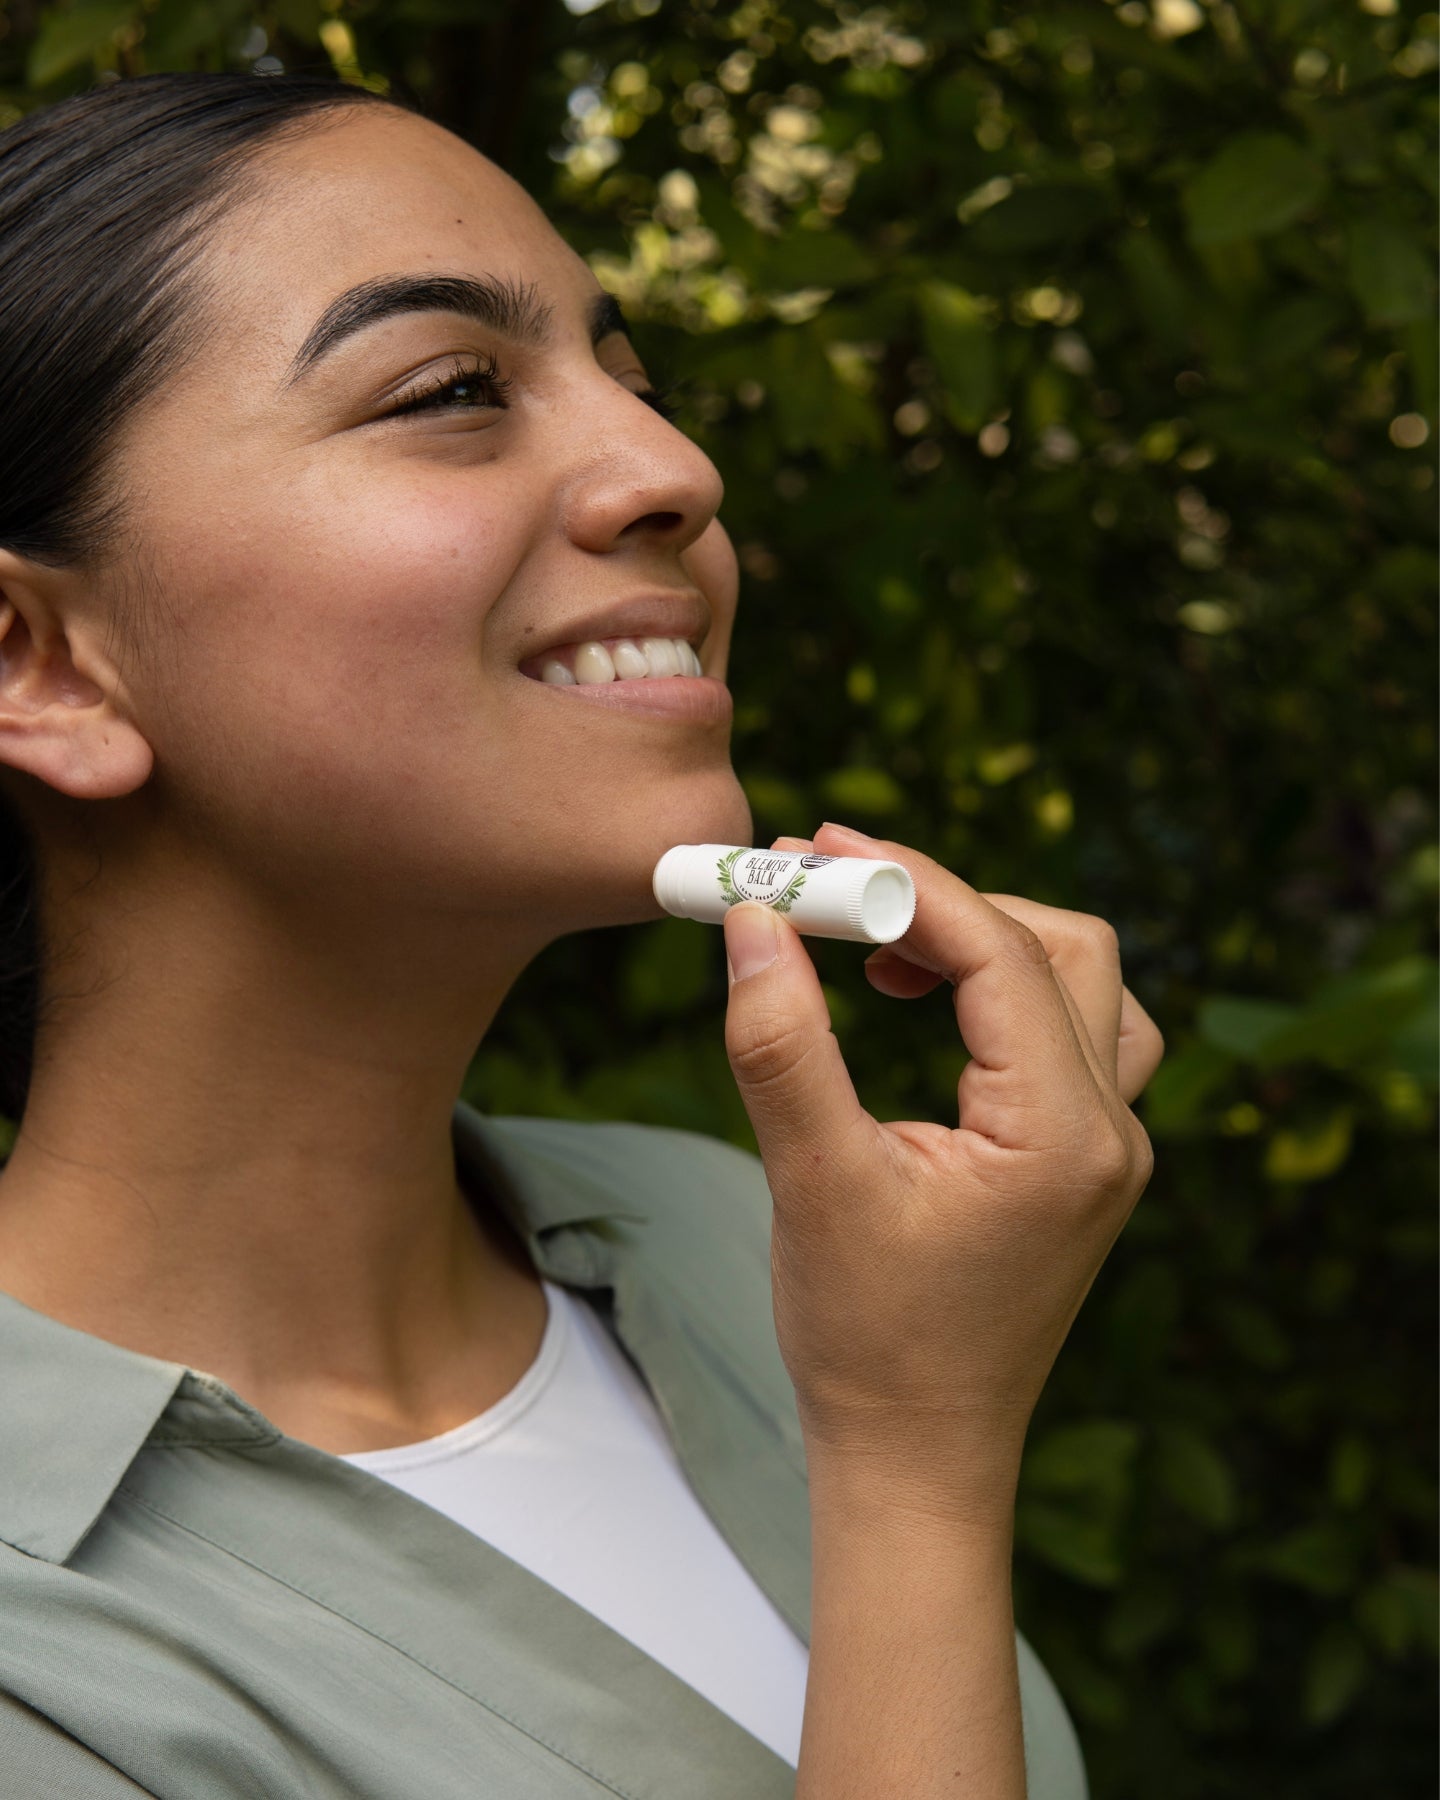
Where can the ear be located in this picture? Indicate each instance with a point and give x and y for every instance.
(64, 713)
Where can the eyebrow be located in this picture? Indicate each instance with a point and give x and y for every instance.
(514, 309)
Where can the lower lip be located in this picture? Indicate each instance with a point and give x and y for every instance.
(696, 699)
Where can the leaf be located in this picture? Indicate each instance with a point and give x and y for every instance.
(802, 386)
(1294, 330)
(1226, 1631)
(1146, 1611)
(1250, 428)
(999, 763)
(1351, 1018)
(1144, 1315)
(178, 31)
(1136, 49)
(302, 19)
(1166, 302)
(1094, 1692)
(1079, 1546)
(1385, 1615)
(1352, 1469)
(1415, 1048)
(1242, 1027)
(1421, 1588)
(1196, 1477)
(1316, 1558)
(1040, 215)
(669, 968)
(863, 791)
(1336, 1672)
(819, 259)
(1309, 1153)
(772, 798)
(1390, 275)
(1348, 1020)
(959, 339)
(1172, 1103)
(1254, 1334)
(1259, 183)
(1423, 354)
(82, 34)
(1095, 1457)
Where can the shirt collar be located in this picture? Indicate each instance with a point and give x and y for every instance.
(75, 1410)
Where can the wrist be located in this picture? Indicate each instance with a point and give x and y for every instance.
(970, 1498)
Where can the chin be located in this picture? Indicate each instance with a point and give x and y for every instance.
(710, 812)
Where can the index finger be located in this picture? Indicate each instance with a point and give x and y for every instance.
(1012, 1016)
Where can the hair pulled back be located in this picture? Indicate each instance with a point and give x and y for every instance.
(104, 201)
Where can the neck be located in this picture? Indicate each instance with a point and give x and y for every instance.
(246, 1167)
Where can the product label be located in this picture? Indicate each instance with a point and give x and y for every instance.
(770, 876)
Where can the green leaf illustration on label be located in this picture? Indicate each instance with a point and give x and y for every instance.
(725, 869)
(759, 880)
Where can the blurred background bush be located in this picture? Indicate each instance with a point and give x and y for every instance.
(1072, 370)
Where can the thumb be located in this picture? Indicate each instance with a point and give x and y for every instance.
(787, 1063)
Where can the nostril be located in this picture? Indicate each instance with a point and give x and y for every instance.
(655, 523)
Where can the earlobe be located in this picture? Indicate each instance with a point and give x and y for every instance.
(62, 717)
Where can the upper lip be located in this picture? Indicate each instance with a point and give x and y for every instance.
(665, 613)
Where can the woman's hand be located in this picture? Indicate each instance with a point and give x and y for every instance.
(925, 1277)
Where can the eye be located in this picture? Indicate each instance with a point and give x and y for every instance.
(473, 384)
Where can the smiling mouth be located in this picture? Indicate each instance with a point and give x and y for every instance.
(598, 662)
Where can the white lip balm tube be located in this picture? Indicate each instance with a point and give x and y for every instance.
(823, 896)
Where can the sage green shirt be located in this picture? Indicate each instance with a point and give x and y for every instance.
(194, 1606)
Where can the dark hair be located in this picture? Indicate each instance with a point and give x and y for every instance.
(105, 200)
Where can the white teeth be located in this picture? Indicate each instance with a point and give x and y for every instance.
(662, 655)
(593, 665)
(630, 663)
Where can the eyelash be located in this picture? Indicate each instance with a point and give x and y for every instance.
(484, 371)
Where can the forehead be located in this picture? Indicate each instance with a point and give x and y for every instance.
(370, 193)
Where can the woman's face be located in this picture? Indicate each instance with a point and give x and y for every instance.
(359, 547)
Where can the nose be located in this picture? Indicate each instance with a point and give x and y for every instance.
(636, 480)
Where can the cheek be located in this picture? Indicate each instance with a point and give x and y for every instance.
(342, 634)
(354, 589)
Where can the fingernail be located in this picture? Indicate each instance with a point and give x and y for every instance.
(849, 830)
(751, 941)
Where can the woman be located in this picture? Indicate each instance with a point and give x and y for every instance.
(354, 1444)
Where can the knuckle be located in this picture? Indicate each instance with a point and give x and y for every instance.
(764, 1050)
(1110, 1162)
(1028, 944)
(1122, 1158)
(1144, 1163)
(1099, 935)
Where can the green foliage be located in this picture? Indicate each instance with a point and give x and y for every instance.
(1072, 371)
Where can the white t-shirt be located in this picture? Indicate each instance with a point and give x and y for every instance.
(573, 1476)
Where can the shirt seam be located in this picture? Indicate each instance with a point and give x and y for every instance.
(186, 1440)
(380, 1637)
